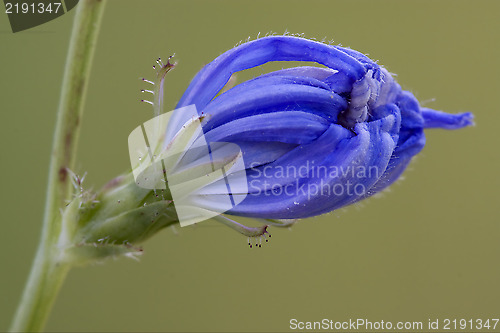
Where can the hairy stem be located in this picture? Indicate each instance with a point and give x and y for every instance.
(48, 273)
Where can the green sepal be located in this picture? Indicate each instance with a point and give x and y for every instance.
(131, 226)
(111, 222)
(82, 254)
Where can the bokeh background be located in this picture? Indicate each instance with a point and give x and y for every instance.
(427, 249)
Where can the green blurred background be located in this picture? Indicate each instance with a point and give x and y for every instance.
(429, 248)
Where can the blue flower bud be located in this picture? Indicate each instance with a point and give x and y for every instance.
(314, 139)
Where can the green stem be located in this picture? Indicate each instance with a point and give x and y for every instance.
(48, 272)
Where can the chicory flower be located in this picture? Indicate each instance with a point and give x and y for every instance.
(308, 140)
(314, 139)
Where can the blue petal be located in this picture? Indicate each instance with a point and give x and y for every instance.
(210, 80)
(411, 117)
(294, 127)
(297, 164)
(292, 120)
(439, 119)
(400, 159)
(321, 74)
(259, 153)
(272, 94)
(371, 147)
